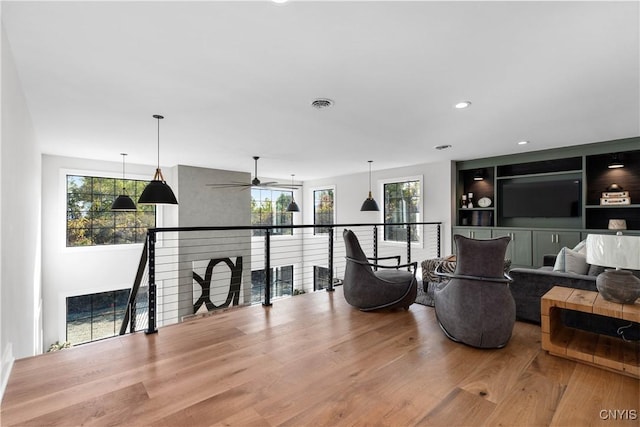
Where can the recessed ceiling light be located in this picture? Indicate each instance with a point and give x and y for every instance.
(523, 142)
(321, 103)
(463, 104)
(279, 1)
(442, 147)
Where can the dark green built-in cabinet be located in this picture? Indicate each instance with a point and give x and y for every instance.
(545, 200)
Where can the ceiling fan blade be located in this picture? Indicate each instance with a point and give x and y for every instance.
(235, 184)
(256, 183)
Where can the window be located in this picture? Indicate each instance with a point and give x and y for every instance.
(323, 213)
(269, 207)
(281, 283)
(401, 204)
(320, 277)
(90, 220)
(95, 316)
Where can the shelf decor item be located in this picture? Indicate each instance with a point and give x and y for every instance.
(617, 224)
(614, 196)
(484, 202)
(620, 252)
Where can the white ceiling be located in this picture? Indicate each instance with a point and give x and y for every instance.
(236, 79)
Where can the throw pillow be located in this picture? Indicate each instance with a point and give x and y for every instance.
(581, 247)
(570, 261)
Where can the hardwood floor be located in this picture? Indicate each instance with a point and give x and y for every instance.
(313, 360)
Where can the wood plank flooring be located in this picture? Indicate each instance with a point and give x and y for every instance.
(312, 360)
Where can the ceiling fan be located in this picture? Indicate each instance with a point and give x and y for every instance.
(255, 182)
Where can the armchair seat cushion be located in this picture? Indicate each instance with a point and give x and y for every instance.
(394, 276)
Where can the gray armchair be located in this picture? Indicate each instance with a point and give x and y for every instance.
(476, 307)
(367, 289)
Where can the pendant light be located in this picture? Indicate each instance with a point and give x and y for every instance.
(158, 191)
(123, 202)
(293, 206)
(369, 203)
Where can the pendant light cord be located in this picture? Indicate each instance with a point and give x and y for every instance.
(123, 155)
(370, 161)
(158, 117)
(158, 175)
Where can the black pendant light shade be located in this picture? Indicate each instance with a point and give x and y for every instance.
(369, 203)
(478, 175)
(158, 191)
(293, 206)
(123, 202)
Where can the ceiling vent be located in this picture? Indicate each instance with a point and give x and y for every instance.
(321, 103)
(442, 147)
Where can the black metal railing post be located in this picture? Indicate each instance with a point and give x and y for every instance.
(375, 246)
(267, 267)
(330, 287)
(438, 238)
(408, 246)
(133, 314)
(151, 328)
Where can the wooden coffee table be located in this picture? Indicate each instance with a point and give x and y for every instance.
(595, 349)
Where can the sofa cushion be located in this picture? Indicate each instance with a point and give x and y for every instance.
(570, 261)
(594, 270)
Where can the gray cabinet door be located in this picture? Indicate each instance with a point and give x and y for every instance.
(470, 232)
(549, 242)
(519, 250)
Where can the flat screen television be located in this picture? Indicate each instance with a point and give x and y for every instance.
(548, 199)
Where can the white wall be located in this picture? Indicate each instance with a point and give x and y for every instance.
(351, 190)
(76, 271)
(20, 286)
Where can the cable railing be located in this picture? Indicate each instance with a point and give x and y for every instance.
(186, 272)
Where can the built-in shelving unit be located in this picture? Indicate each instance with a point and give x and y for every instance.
(571, 178)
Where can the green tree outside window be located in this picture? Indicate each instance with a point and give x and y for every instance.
(401, 204)
(90, 220)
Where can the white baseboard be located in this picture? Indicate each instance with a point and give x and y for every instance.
(7, 366)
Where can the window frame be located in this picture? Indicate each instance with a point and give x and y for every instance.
(276, 273)
(62, 203)
(398, 180)
(91, 294)
(274, 204)
(112, 218)
(313, 198)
